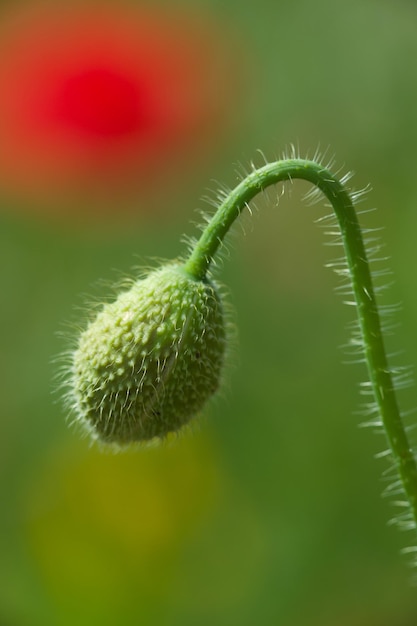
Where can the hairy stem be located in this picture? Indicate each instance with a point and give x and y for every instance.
(369, 320)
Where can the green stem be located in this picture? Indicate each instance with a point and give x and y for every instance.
(383, 388)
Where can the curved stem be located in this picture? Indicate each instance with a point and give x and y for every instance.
(381, 379)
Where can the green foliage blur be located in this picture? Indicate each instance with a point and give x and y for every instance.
(269, 510)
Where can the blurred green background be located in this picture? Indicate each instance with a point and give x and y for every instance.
(270, 510)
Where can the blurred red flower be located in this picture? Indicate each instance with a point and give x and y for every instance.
(105, 95)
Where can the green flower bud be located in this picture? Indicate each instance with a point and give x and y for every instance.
(151, 359)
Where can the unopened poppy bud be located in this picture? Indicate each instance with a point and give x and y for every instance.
(151, 359)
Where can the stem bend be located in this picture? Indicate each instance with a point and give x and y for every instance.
(369, 320)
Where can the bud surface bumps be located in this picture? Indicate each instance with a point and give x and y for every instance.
(151, 359)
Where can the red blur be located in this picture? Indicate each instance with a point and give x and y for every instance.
(106, 95)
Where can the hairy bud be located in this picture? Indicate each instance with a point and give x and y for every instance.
(151, 359)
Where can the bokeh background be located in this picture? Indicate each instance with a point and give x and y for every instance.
(116, 119)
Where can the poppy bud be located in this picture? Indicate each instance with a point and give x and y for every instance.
(151, 359)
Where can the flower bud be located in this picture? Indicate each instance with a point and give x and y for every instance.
(151, 359)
